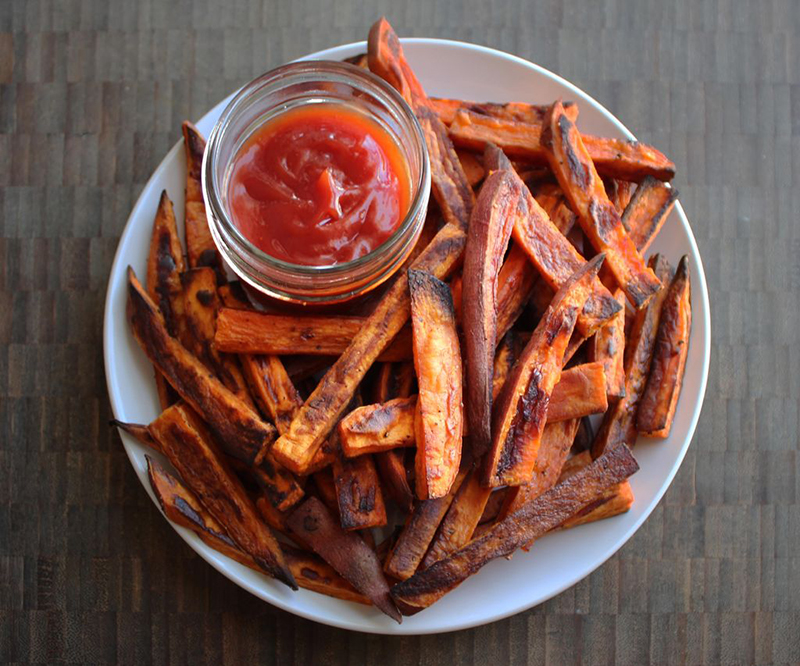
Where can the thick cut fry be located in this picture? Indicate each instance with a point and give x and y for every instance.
(322, 410)
(608, 347)
(358, 493)
(619, 423)
(618, 158)
(521, 410)
(190, 449)
(379, 427)
(660, 398)
(278, 483)
(487, 240)
(557, 439)
(600, 221)
(345, 552)
(200, 247)
(449, 183)
(473, 169)
(252, 332)
(239, 429)
(620, 192)
(647, 210)
(530, 522)
(461, 519)
(418, 532)
(514, 286)
(437, 358)
(272, 388)
(580, 391)
(523, 112)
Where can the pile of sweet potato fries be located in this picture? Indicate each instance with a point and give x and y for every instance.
(527, 306)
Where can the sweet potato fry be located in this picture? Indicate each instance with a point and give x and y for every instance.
(504, 358)
(580, 391)
(359, 60)
(200, 247)
(523, 112)
(521, 410)
(346, 553)
(437, 358)
(252, 332)
(240, 430)
(279, 484)
(619, 423)
(473, 169)
(138, 432)
(647, 210)
(358, 493)
(418, 532)
(618, 158)
(620, 192)
(322, 410)
(461, 519)
(530, 522)
(608, 347)
(190, 449)
(272, 388)
(487, 240)
(378, 427)
(514, 286)
(576, 173)
(660, 397)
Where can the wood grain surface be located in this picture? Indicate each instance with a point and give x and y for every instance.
(92, 93)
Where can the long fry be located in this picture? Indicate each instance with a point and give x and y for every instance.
(522, 112)
(608, 347)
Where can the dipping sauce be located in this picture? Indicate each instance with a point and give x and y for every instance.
(319, 185)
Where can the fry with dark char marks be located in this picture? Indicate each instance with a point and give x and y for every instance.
(461, 519)
(522, 112)
(189, 447)
(138, 432)
(252, 332)
(240, 430)
(608, 347)
(272, 388)
(358, 493)
(418, 532)
(345, 552)
(660, 398)
(521, 410)
(576, 173)
(487, 240)
(278, 483)
(620, 191)
(530, 522)
(647, 210)
(618, 158)
(320, 413)
(619, 422)
(379, 427)
(438, 423)
(200, 247)
(164, 266)
(504, 358)
(580, 391)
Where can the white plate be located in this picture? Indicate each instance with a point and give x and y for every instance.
(558, 561)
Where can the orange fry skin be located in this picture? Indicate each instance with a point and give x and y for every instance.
(522, 112)
(647, 210)
(608, 347)
(576, 173)
(379, 427)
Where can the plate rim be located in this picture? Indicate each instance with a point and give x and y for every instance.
(226, 566)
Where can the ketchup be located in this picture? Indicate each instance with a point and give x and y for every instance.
(319, 185)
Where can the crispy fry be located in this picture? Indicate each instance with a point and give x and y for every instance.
(345, 552)
(313, 573)
(514, 286)
(272, 388)
(487, 240)
(523, 112)
(647, 210)
(461, 519)
(620, 192)
(278, 483)
(379, 427)
(192, 452)
(437, 358)
(473, 169)
(660, 397)
(580, 391)
(252, 332)
(530, 522)
(358, 493)
(138, 432)
(521, 410)
(608, 347)
(618, 158)
(239, 429)
(200, 247)
(619, 423)
(597, 216)
(418, 532)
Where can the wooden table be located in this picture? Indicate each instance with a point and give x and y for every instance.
(92, 93)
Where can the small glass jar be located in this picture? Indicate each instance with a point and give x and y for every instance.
(278, 91)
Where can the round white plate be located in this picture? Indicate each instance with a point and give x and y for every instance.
(503, 588)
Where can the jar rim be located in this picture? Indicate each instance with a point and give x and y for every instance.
(210, 177)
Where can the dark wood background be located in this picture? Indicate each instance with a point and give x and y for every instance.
(92, 93)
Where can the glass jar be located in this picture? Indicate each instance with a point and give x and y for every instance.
(278, 91)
